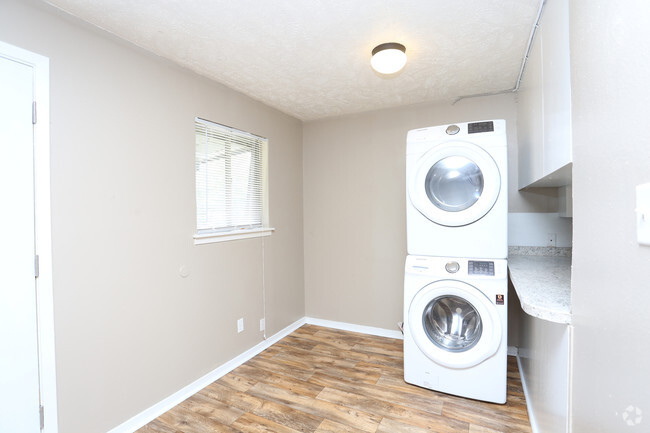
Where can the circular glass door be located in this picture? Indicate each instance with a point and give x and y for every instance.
(454, 324)
(455, 184)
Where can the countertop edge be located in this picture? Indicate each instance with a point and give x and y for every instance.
(554, 304)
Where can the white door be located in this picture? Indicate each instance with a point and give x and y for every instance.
(19, 368)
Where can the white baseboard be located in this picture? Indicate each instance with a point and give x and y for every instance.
(513, 351)
(179, 396)
(380, 332)
(531, 413)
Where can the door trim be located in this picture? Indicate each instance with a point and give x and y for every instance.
(43, 229)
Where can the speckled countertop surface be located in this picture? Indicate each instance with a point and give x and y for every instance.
(543, 283)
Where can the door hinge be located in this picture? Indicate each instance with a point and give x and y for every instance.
(41, 411)
(36, 266)
(34, 113)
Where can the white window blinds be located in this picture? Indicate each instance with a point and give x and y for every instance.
(229, 178)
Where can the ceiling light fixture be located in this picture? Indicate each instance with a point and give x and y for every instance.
(388, 58)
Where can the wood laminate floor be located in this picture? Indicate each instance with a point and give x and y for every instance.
(323, 380)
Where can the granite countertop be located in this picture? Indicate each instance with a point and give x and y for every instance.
(542, 282)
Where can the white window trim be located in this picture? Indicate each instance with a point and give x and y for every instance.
(212, 237)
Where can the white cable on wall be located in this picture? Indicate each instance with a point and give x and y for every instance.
(263, 289)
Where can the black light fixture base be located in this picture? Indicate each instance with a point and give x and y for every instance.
(389, 46)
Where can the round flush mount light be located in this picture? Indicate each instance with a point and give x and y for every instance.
(388, 58)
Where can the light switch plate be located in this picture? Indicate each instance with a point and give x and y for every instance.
(643, 214)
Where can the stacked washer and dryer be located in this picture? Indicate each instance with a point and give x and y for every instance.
(455, 283)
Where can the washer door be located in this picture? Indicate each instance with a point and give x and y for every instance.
(454, 324)
(455, 184)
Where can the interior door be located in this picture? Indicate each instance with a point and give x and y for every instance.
(19, 360)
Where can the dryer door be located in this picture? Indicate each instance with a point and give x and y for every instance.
(454, 324)
(455, 184)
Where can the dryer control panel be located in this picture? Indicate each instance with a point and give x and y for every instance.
(477, 127)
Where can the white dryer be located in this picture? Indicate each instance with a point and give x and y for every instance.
(457, 190)
(455, 326)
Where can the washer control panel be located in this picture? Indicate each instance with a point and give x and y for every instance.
(456, 267)
(475, 267)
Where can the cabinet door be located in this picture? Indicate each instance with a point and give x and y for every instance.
(556, 85)
(530, 117)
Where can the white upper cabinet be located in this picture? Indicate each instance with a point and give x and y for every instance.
(544, 103)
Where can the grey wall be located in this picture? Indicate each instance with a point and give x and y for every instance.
(611, 155)
(354, 205)
(129, 329)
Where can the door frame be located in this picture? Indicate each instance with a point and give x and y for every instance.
(43, 229)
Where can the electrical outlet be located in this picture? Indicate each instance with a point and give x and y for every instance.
(240, 325)
(262, 324)
(551, 239)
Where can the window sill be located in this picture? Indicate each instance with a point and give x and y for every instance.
(210, 238)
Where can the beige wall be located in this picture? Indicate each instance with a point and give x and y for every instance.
(354, 205)
(129, 329)
(611, 155)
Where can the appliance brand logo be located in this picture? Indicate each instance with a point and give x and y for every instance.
(632, 416)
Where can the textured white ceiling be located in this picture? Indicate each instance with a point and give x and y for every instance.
(311, 58)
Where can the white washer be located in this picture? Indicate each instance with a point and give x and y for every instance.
(457, 190)
(455, 326)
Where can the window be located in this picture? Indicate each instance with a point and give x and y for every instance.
(230, 183)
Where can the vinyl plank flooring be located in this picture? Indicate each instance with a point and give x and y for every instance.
(389, 361)
(478, 429)
(250, 423)
(279, 380)
(395, 412)
(213, 409)
(188, 421)
(431, 403)
(313, 360)
(342, 414)
(389, 425)
(289, 417)
(232, 397)
(321, 380)
(238, 382)
(296, 371)
(329, 426)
